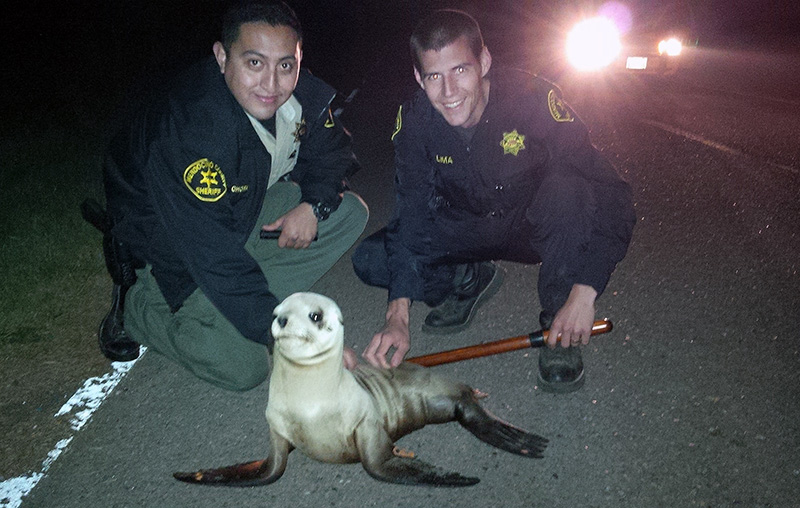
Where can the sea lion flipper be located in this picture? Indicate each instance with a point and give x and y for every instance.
(247, 474)
(494, 431)
(407, 471)
(376, 455)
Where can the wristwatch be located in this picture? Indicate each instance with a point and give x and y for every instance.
(321, 210)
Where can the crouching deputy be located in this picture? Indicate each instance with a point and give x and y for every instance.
(244, 142)
(491, 164)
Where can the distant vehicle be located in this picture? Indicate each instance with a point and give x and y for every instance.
(615, 38)
(596, 44)
(592, 36)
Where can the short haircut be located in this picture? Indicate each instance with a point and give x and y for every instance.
(441, 28)
(275, 13)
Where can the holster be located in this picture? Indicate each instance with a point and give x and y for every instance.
(120, 263)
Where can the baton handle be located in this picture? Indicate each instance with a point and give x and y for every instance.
(535, 339)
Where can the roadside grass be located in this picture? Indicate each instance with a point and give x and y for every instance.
(55, 289)
(56, 110)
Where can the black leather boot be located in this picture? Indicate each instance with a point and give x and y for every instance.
(479, 282)
(114, 341)
(560, 368)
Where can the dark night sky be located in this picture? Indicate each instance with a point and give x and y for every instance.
(66, 50)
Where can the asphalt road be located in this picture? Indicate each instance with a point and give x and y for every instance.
(692, 400)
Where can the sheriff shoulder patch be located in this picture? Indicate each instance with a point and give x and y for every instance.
(512, 142)
(398, 122)
(558, 110)
(206, 180)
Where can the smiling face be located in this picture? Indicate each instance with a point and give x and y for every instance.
(261, 67)
(454, 79)
(307, 328)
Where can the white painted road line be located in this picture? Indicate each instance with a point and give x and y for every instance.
(81, 406)
(713, 144)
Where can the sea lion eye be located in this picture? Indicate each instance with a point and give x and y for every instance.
(315, 317)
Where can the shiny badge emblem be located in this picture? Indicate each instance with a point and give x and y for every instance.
(300, 130)
(512, 142)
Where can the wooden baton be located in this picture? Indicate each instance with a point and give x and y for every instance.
(535, 339)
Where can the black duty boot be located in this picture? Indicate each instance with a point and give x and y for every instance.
(560, 369)
(479, 283)
(114, 341)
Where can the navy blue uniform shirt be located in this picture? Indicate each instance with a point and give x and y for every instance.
(455, 195)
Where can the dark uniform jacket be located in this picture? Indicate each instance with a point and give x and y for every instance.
(185, 184)
(455, 196)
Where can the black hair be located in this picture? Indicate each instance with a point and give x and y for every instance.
(275, 13)
(441, 28)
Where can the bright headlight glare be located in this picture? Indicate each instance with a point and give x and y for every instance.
(593, 44)
(670, 47)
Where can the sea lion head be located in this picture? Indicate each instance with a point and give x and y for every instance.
(308, 329)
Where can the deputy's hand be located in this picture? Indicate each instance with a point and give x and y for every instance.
(394, 334)
(299, 227)
(573, 322)
(350, 358)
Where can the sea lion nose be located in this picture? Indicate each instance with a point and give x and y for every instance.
(281, 321)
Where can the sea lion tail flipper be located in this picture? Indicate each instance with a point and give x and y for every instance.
(247, 474)
(375, 452)
(239, 475)
(494, 431)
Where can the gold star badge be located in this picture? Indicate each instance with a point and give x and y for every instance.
(300, 130)
(512, 142)
(209, 178)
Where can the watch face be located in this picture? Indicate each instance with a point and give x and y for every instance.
(321, 211)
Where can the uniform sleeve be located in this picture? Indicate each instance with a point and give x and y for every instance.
(570, 150)
(325, 159)
(189, 191)
(408, 234)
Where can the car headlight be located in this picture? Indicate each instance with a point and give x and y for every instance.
(593, 44)
(670, 47)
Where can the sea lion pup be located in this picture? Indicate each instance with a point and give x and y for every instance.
(341, 416)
